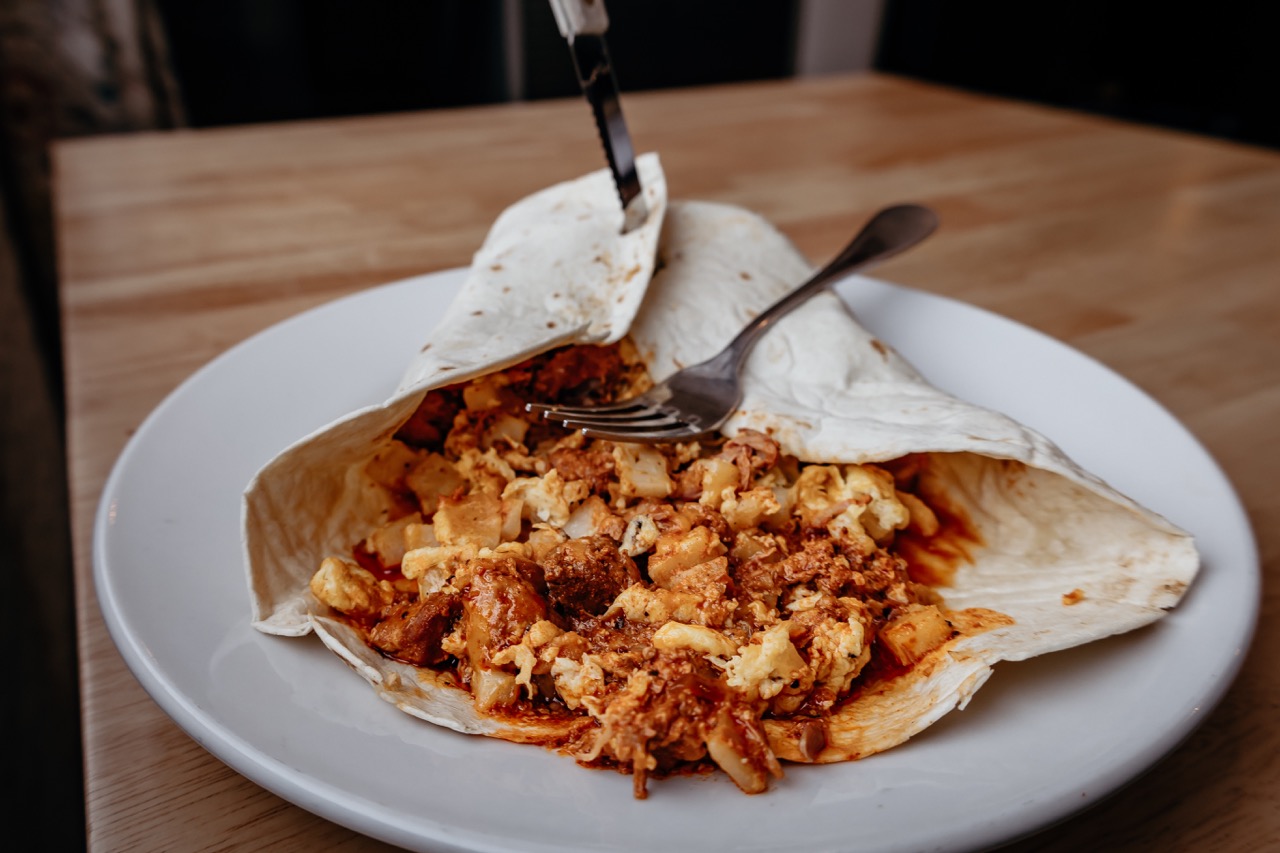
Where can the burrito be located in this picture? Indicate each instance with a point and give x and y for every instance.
(837, 570)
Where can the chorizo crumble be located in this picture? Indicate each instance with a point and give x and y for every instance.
(659, 600)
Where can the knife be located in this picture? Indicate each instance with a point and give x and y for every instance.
(583, 24)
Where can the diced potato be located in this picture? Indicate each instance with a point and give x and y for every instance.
(709, 579)
(593, 517)
(914, 632)
(718, 475)
(512, 515)
(419, 536)
(725, 748)
(642, 471)
(493, 688)
(482, 393)
(432, 477)
(390, 465)
(542, 541)
(676, 551)
(505, 429)
(474, 519)
(387, 543)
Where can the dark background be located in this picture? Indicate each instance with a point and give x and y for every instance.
(1212, 69)
(1207, 69)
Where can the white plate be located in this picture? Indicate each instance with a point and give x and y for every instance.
(1042, 740)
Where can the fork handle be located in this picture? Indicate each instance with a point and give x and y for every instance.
(889, 232)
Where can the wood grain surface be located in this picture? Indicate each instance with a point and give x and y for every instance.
(1155, 252)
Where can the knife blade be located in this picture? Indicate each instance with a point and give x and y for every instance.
(583, 24)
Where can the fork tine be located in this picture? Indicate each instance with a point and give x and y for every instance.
(640, 417)
(605, 417)
(650, 421)
(637, 433)
(553, 412)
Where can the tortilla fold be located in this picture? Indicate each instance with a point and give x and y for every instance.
(1060, 557)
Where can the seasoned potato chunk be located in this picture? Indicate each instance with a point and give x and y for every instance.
(474, 519)
(388, 542)
(676, 551)
(432, 478)
(914, 632)
(642, 471)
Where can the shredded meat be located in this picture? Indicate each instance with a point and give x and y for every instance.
(430, 423)
(594, 467)
(673, 710)
(587, 371)
(752, 451)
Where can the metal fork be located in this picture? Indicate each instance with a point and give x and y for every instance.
(698, 399)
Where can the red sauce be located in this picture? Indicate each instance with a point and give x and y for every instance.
(933, 560)
(370, 563)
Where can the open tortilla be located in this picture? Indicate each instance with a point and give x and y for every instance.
(1059, 558)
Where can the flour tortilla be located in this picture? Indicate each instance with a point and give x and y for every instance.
(1064, 558)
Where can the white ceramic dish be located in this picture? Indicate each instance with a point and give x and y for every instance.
(1043, 739)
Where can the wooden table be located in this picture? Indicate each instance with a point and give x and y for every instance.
(1157, 253)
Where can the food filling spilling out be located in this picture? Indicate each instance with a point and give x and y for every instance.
(649, 608)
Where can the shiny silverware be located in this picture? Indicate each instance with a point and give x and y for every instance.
(698, 399)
